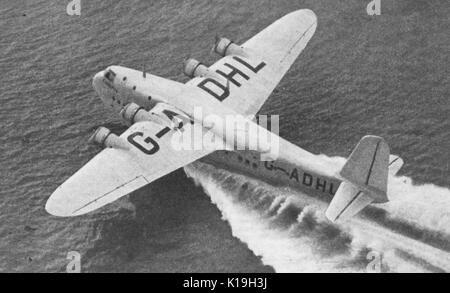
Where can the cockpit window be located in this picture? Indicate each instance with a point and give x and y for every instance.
(110, 75)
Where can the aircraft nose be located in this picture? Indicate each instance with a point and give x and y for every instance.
(96, 81)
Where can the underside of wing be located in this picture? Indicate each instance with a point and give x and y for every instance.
(148, 154)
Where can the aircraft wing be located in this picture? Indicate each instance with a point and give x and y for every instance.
(146, 155)
(147, 152)
(271, 52)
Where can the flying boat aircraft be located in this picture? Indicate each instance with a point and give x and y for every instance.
(162, 111)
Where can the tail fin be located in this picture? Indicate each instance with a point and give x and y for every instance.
(365, 176)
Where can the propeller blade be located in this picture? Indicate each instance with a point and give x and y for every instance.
(216, 40)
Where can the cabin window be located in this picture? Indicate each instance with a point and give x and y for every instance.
(149, 98)
(134, 88)
(124, 78)
(110, 75)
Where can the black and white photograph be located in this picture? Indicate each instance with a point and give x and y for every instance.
(246, 137)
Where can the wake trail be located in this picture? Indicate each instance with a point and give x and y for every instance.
(289, 231)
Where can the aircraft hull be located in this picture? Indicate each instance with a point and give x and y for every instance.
(278, 172)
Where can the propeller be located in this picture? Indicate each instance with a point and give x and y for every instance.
(216, 41)
(91, 139)
(185, 60)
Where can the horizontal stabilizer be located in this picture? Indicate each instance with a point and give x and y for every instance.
(395, 164)
(365, 177)
(347, 202)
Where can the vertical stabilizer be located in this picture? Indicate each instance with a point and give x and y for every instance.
(365, 176)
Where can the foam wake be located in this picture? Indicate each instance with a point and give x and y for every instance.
(289, 231)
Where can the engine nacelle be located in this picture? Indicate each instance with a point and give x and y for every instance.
(194, 68)
(104, 137)
(225, 47)
(133, 113)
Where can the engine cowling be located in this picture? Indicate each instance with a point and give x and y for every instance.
(194, 68)
(105, 138)
(133, 113)
(225, 47)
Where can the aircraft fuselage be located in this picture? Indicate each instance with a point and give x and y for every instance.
(277, 172)
(292, 166)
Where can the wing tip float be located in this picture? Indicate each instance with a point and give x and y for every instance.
(365, 178)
